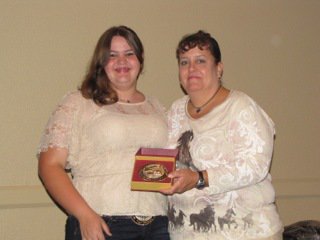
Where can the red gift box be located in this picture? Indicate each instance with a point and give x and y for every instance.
(151, 169)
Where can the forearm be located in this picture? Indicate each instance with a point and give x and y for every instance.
(236, 175)
(247, 152)
(59, 186)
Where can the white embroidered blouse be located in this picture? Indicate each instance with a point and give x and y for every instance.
(101, 144)
(234, 143)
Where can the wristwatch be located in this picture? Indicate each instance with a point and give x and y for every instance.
(201, 183)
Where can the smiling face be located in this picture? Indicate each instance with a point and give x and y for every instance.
(123, 66)
(198, 70)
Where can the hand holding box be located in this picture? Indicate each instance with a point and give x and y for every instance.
(151, 169)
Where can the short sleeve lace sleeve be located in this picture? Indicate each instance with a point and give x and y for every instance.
(57, 133)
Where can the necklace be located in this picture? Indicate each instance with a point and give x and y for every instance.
(199, 109)
(124, 100)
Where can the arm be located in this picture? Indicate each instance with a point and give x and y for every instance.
(250, 136)
(53, 152)
(183, 179)
(52, 173)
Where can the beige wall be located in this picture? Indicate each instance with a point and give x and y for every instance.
(270, 50)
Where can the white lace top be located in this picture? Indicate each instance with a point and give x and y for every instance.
(101, 143)
(234, 143)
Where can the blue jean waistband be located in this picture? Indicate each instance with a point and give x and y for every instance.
(137, 219)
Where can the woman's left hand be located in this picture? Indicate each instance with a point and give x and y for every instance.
(183, 180)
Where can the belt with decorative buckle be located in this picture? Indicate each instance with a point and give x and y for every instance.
(142, 220)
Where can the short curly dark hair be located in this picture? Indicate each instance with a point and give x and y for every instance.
(202, 40)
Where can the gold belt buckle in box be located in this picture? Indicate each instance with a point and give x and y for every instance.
(142, 220)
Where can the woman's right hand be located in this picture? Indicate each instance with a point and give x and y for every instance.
(53, 175)
(93, 227)
(183, 180)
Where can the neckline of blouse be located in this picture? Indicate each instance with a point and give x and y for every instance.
(133, 104)
(211, 111)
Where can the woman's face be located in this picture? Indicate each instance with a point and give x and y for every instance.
(123, 66)
(198, 70)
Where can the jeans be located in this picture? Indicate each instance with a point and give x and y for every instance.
(123, 228)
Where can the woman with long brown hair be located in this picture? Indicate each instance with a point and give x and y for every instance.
(95, 132)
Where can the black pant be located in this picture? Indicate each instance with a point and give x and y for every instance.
(123, 228)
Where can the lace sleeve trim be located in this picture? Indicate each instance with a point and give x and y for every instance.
(57, 133)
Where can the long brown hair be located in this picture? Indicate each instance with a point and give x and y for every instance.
(96, 84)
